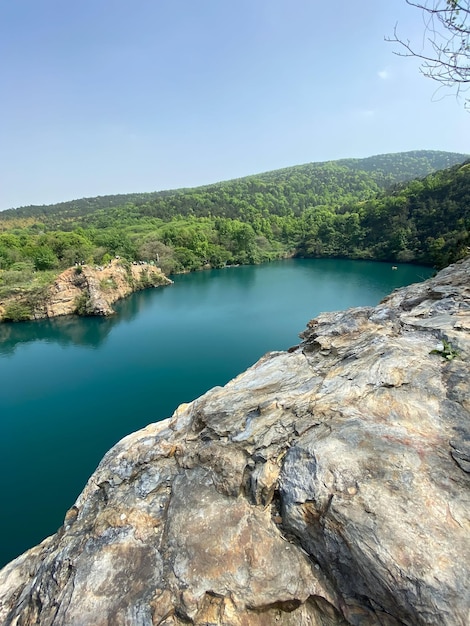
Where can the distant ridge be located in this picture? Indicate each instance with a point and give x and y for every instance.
(383, 171)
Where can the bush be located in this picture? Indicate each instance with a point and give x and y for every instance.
(16, 277)
(22, 266)
(82, 305)
(107, 284)
(17, 312)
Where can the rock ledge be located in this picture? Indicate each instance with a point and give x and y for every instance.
(327, 485)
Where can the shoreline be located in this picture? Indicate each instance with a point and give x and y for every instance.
(85, 290)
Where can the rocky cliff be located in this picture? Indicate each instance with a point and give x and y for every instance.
(87, 290)
(327, 485)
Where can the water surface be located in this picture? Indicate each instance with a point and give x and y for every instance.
(70, 388)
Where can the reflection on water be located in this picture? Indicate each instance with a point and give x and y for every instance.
(89, 332)
(63, 331)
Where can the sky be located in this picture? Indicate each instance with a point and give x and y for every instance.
(117, 96)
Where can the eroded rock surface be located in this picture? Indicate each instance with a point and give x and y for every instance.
(328, 485)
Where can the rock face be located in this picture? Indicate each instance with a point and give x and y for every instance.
(327, 485)
(100, 287)
(92, 290)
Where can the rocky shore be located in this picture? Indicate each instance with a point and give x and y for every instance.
(87, 290)
(327, 485)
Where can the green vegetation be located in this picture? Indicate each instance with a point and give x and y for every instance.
(447, 352)
(82, 305)
(108, 284)
(17, 312)
(317, 183)
(354, 208)
(24, 285)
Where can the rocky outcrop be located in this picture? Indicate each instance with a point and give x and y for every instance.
(96, 289)
(90, 290)
(327, 485)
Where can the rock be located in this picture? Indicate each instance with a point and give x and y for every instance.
(96, 289)
(92, 290)
(325, 486)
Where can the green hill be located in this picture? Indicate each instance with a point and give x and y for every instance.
(332, 209)
(280, 192)
(426, 220)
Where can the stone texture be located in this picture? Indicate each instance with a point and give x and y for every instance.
(325, 486)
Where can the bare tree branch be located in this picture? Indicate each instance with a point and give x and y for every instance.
(445, 51)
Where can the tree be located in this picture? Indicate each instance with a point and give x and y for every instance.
(44, 258)
(445, 54)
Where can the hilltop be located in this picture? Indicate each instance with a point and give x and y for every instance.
(326, 180)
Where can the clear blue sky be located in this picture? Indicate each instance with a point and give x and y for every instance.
(117, 96)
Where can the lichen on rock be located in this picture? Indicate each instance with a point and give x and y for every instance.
(327, 485)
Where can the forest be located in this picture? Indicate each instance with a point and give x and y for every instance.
(405, 207)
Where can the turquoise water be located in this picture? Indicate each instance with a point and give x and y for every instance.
(70, 388)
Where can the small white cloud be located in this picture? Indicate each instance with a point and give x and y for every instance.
(383, 74)
(367, 113)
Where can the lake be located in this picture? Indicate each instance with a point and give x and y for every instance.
(70, 388)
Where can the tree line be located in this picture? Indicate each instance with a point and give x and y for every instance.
(338, 212)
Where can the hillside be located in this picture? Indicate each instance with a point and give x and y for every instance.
(426, 220)
(318, 183)
(317, 210)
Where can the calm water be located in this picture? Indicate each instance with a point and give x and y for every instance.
(70, 388)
